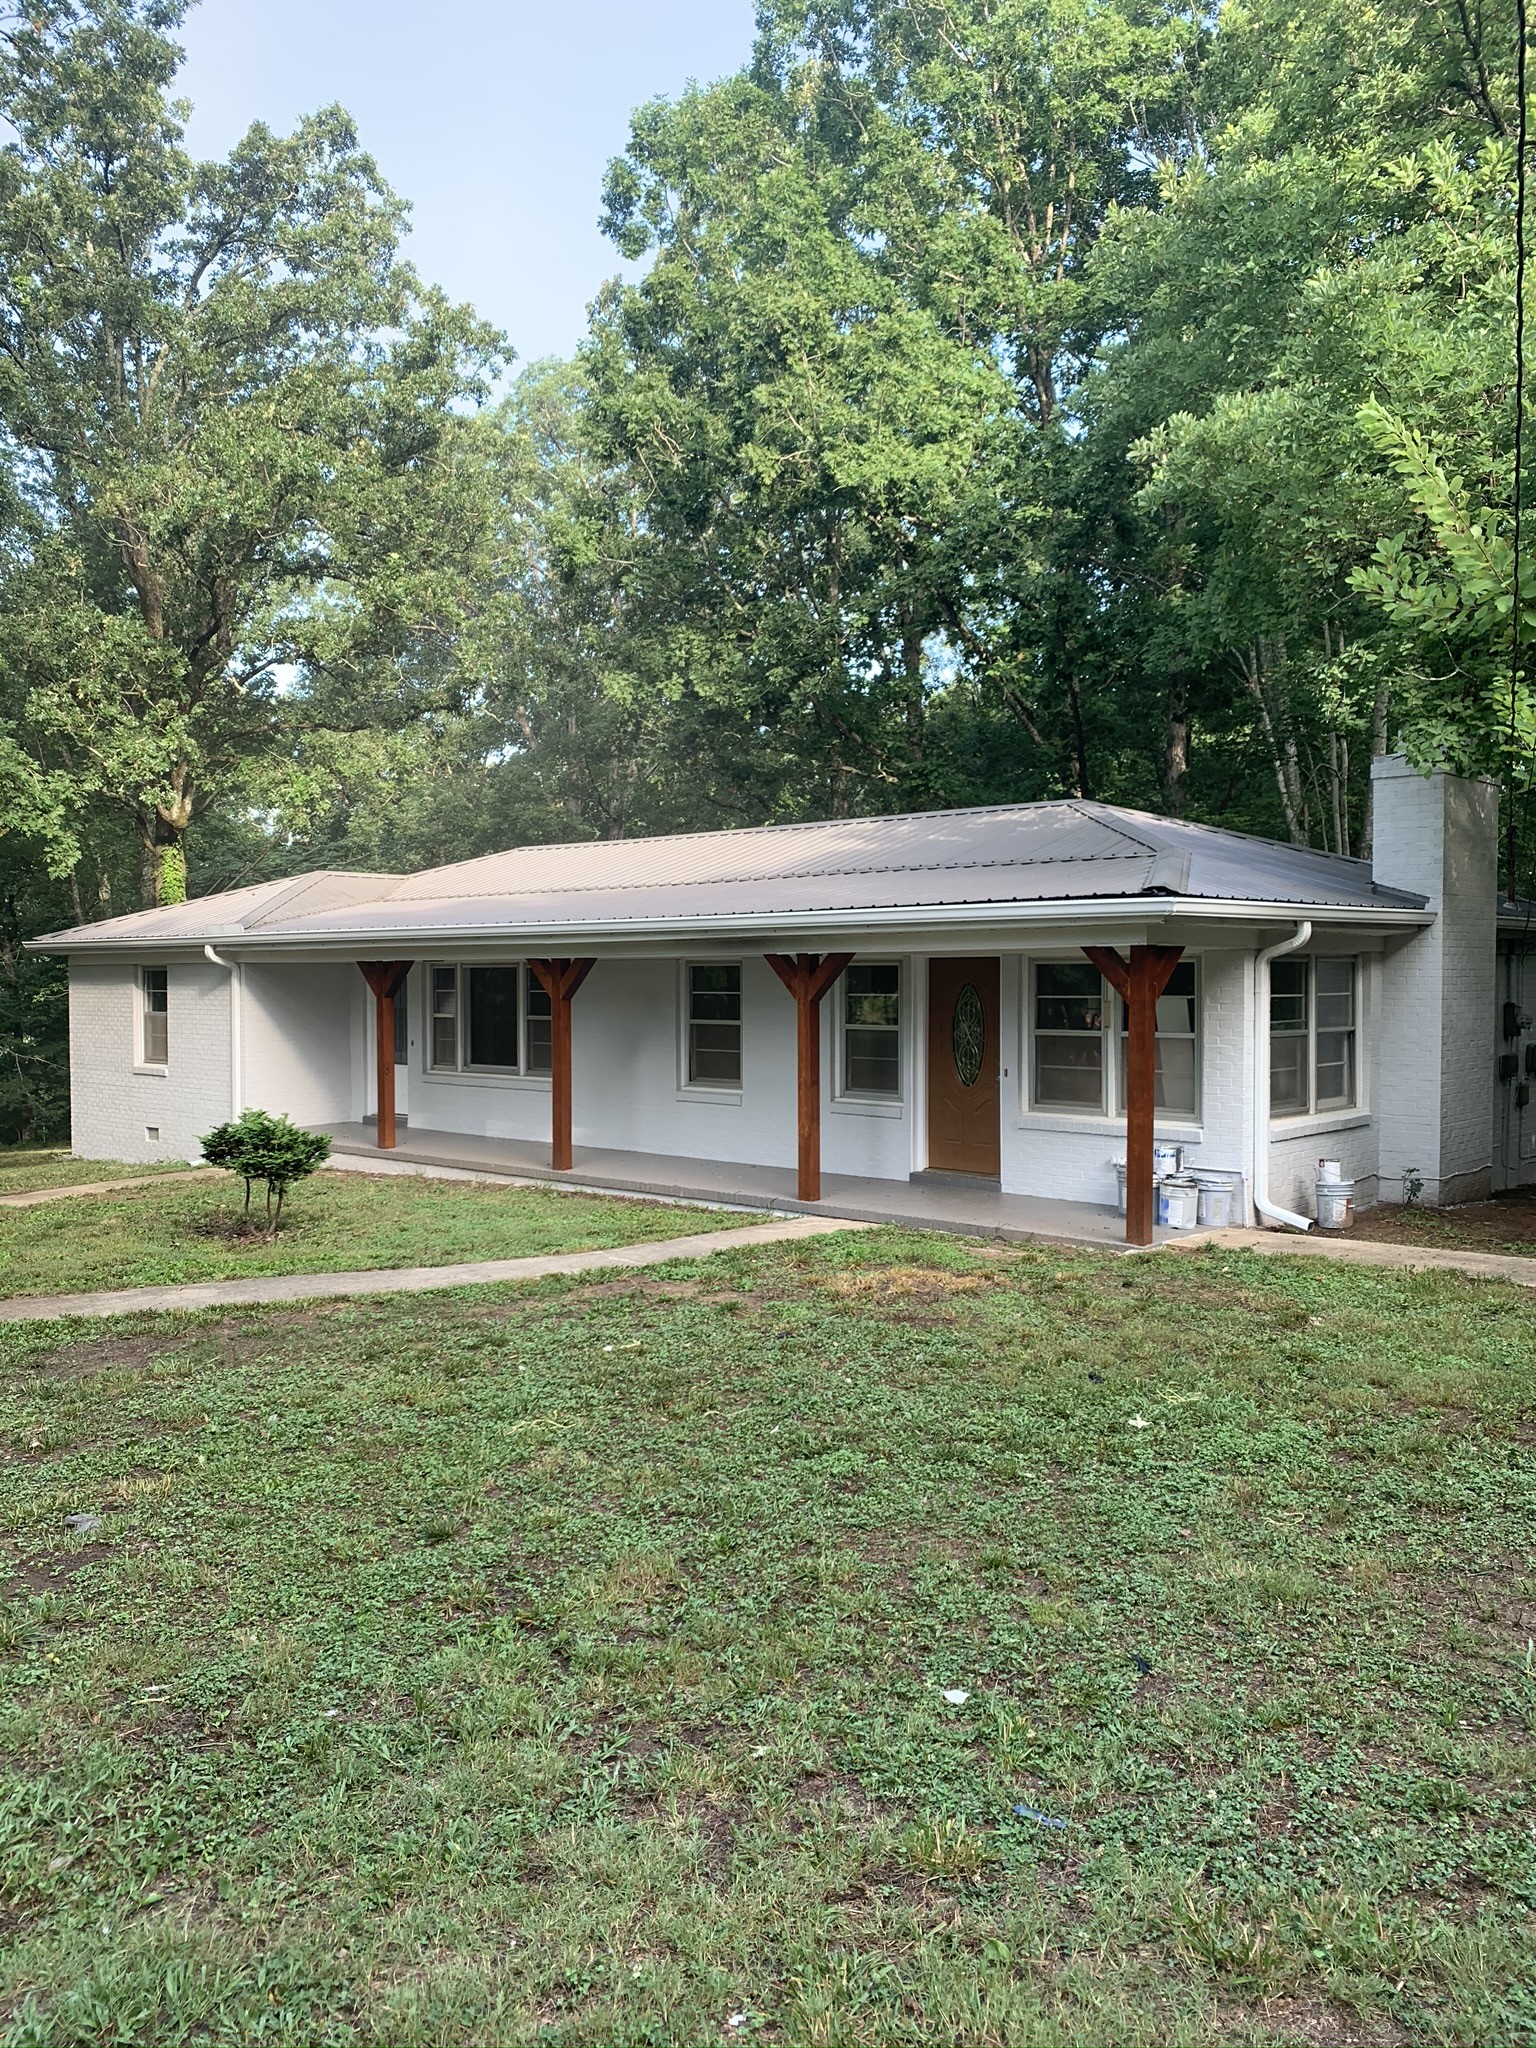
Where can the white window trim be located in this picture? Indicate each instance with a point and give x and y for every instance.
(141, 1063)
(1077, 1117)
(725, 1093)
(1334, 1116)
(461, 1073)
(859, 1101)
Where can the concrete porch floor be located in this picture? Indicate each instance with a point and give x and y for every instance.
(920, 1204)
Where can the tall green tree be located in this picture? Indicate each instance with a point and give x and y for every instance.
(250, 492)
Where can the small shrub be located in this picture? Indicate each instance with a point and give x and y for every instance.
(272, 1149)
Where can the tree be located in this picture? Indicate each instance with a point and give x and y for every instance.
(250, 493)
(260, 1147)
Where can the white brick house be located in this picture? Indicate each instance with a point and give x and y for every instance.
(895, 1000)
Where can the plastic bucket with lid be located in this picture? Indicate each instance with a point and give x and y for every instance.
(1178, 1202)
(1218, 1199)
(1331, 1170)
(1165, 1160)
(1335, 1204)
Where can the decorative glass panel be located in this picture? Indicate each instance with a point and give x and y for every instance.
(491, 998)
(968, 1033)
(714, 1024)
(872, 1028)
(156, 1016)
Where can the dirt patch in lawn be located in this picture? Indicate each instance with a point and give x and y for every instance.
(1506, 1224)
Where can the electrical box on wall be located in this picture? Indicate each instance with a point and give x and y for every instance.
(1511, 1020)
(1509, 1066)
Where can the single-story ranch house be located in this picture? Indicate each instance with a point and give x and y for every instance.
(955, 1015)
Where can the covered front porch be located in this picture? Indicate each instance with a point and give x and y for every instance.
(927, 1201)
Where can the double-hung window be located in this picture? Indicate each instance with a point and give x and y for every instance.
(491, 1019)
(872, 1028)
(1313, 1036)
(713, 1049)
(1070, 1012)
(1177, 1085)
(1081, 1035)
(154, 1017)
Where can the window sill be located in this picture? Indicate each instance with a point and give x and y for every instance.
(867, 1105)
(441, 1077)
(158, 1073)
(1105, 1126)
(729, 1098)
(1316, 1126)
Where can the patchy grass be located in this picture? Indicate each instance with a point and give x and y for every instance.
(333, 1223)
(567, 1663)
(24, 1168)
(1506, 1224)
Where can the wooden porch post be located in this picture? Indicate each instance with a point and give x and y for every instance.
(808, 977)
(1138, 983)
(386, 978)
(560, 980)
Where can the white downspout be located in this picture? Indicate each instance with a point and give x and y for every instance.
(1261, 1200)
(236, 972)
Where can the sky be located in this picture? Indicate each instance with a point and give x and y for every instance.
(496, 121)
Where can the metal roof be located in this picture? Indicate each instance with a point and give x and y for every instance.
(1006, 855)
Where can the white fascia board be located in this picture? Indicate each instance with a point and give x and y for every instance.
(1132, 920)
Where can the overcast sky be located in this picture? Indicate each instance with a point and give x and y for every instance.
(495, 120)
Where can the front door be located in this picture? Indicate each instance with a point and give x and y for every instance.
(963, 1067)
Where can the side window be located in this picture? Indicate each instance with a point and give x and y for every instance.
(1313, 1041)
(445, 1017)
(1177, 1087)
(154, 1016)
(872, 1028)
(714, 1024)
(1068, 1036)
(536, 1042)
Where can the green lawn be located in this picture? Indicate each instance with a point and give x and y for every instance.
(24, 1167)
(333, 1222)
(567, 1663)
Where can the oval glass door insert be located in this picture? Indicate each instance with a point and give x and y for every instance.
(968, 1033)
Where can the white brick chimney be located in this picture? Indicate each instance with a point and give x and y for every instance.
(1434, 1087)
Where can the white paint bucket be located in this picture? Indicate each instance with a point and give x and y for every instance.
(1331, 1170)
(1218, 1199)
(1335, 1204)
(1119, 1166)
(1178, 1203)
(1165, 1160)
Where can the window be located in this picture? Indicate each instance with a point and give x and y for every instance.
(872, 1028)
(1313, 1062)
(714, 1024)
(1177, 1070)
(490, 1007)
(154, 1016)
(402, 1028)
(1069, 1036)
(482, 1018)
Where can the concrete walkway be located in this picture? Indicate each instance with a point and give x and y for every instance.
(265, 1287)
(30, 1197)
(1354, 1251)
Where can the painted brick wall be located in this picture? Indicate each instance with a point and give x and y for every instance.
(113, 1106)
(297, 1040)
(1438, 834)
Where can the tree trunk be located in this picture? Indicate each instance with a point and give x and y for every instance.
(162, 859)
(1378, 747)
(1176, 746)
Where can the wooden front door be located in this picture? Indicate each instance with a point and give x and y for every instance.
(963, 1043)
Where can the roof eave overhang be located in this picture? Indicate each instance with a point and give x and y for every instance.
(649, 934)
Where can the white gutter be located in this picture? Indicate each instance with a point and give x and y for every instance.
(236, 1027)
(1261, 1200)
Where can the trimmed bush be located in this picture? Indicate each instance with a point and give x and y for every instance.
(272, 1149)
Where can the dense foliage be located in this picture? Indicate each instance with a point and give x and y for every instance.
(1020, 398)
(257, 1146)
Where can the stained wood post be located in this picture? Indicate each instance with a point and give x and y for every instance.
(1138, 982)
(808, 976)
(386, 978)
(560, 980)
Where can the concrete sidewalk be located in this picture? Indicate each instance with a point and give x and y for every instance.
(1367, 1252)
(126, 1301)
(28, 1198)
